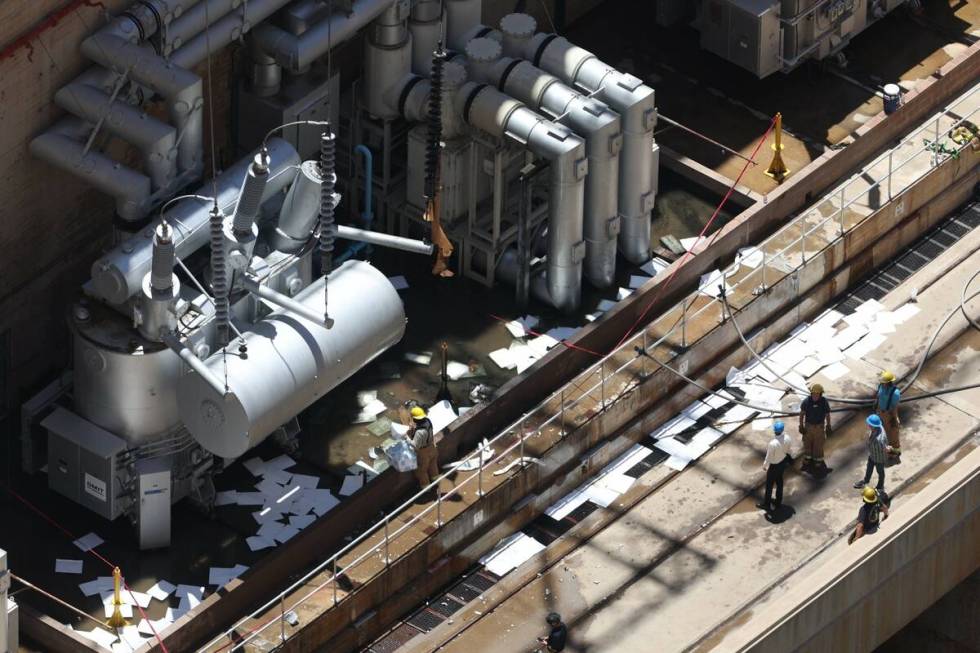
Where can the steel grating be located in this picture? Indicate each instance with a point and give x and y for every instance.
(482, 580)
(926, 249)
(445, 605)
(426, 619)
(394, 640)
(464, 592)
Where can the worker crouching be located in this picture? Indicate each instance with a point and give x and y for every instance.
(426, 452)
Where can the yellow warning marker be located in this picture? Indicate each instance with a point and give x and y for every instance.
(777, 169)
(116, 620)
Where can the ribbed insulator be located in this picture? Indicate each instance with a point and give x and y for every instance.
(164, 256)
(219, 275)
(250, 198)
(434, 122)
(328, 229)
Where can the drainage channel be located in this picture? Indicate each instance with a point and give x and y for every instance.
(545, 530)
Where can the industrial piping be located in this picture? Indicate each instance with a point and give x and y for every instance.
(635, 103)
(600, 128)
(502, 116)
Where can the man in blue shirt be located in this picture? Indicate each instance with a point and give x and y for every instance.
(886, 407)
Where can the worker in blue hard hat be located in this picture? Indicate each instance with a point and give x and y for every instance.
(878, 451)
(775, 464)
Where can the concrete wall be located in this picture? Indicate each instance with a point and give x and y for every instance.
(870, 590)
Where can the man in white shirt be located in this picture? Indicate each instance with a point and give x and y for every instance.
(777, 459)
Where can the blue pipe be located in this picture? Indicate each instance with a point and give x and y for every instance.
(366, 214)
(367, 217)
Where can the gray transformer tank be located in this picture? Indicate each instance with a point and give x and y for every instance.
(292, 361)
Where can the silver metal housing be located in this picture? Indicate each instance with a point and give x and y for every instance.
(293, 361)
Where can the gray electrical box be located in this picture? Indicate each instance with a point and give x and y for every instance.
(302, 98)
(745, 32)
(82, 462)
(153, 513)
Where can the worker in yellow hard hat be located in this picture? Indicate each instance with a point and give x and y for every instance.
(874, 510)
(886, 406)
(814, 427)
(423, 440)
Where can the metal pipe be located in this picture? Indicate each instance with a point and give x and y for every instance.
(230, 28)
(425, 26)
(117, 275)
(193, 21)
(255, 287)
(298, 52)
(366, 215)
(384, 240)
(461, 17)
(156, 139)
(182, 89)
(635, 103)
(131, 189)
(502, 116)
(196, 364)
(299, 210)
(600, 127)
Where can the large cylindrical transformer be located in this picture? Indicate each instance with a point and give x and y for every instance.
(123, 383)
(292, 362)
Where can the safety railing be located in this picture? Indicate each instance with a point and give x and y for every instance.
(600, 391)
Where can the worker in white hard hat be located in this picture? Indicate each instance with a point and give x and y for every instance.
(886, 407)
(873, 511)
(814, 427)
(424, 441)
(775, 464)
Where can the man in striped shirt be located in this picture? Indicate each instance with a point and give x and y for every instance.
(878, 450)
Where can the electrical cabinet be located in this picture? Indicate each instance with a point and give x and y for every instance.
(154, 503)
(82, 461)
(745, 32)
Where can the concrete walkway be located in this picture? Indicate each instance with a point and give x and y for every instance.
(657, 580)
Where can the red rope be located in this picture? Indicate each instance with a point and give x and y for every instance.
(663, 287)
(689, 253)
(95, 553)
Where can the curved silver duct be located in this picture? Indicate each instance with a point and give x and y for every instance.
(293, 361)
(600, 128)
(425, 25)
(387, 61)
(117, 275)
(635, 103)
(131, 189)
(415, 105)
(297, 52)
(156, 139)
(502, 116)
(115, 48)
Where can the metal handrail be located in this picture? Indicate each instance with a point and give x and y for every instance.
(601, 367)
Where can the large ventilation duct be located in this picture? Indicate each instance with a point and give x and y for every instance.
(131, 189)
(426, 28)
(600, 127)
(115, 48)
(502, 116)
(297, 52)
(117, 275)
(293, 361)
(182, 89)
(415, 102)
(635, 103)
(156, 140)
(387, 61)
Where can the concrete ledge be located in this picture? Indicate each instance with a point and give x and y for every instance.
(702, 175)
(873, 588)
